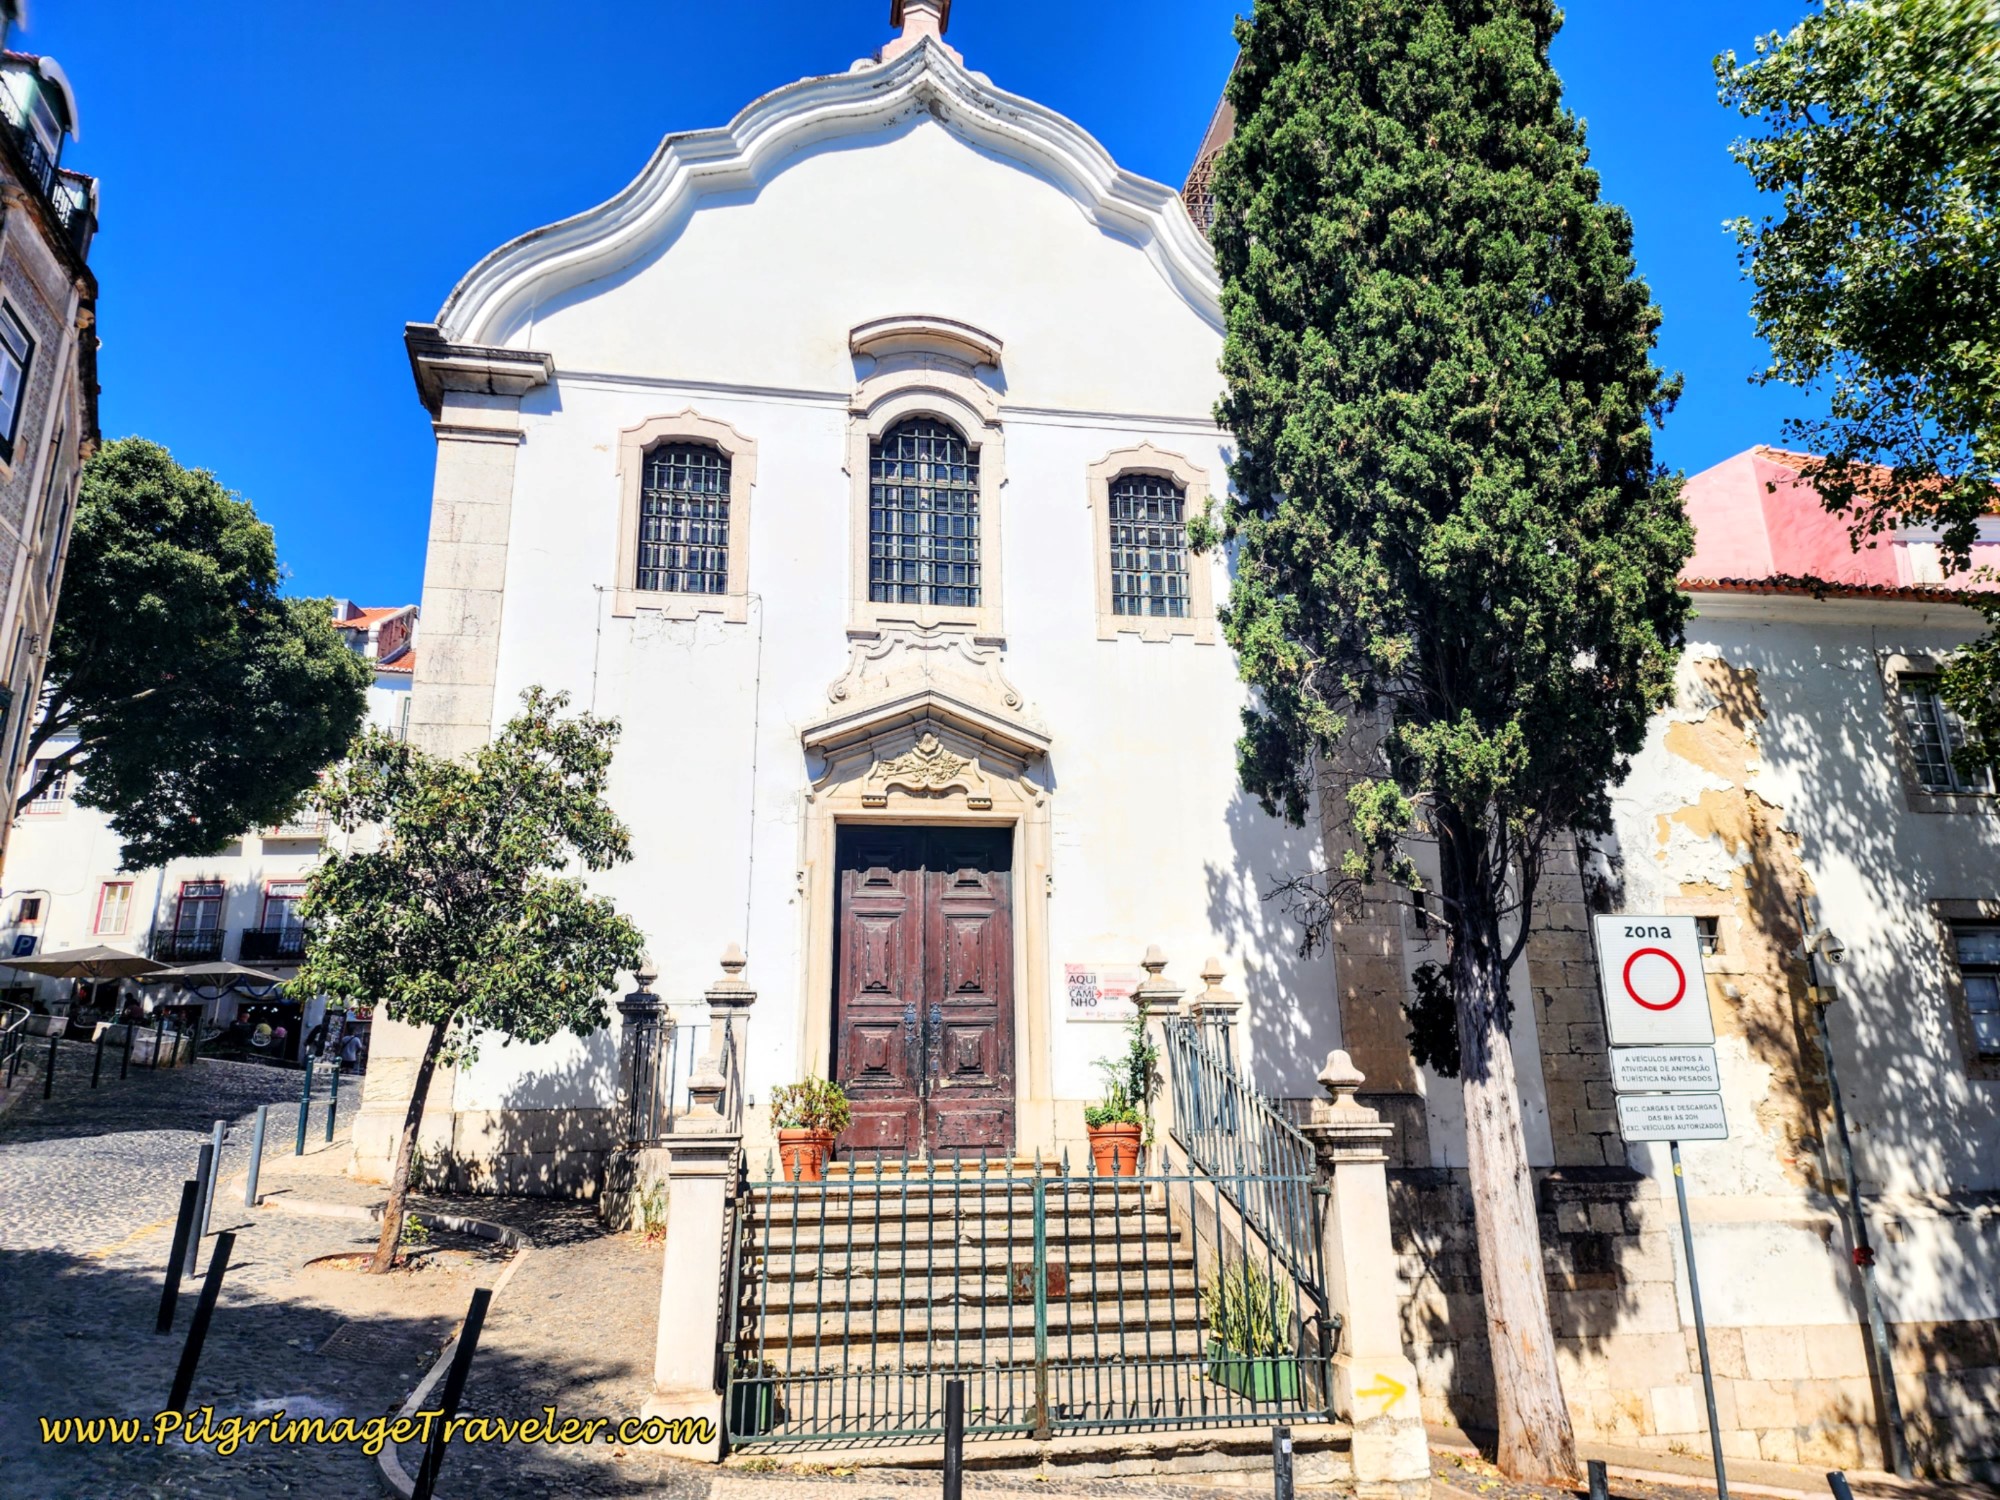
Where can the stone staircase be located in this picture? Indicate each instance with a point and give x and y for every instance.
(855, 1302)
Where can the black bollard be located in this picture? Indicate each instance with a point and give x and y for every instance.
(256, 1156)
(205, 1165)
(954, 1439)
(305, 1108)
(159, 1033)
(97, 1064)
(204, 1309)
(454, 1388)
(183, 1226)
(333, 1103)
(1600, 1484)
(1836, 1480)
(1281, 1463)
(49, 1074)
(125, 1052)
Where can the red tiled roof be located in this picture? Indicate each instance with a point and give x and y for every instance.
(361, 619)
(403, 661)
(1757, 518)
(1823, 588)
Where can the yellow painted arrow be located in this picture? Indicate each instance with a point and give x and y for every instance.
(1391, 1390)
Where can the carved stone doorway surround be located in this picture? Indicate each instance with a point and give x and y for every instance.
(925, 729)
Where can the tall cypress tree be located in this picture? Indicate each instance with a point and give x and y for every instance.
(1452, 542)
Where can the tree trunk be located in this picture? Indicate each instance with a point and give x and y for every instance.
(406, 1146)
(1536, 1444)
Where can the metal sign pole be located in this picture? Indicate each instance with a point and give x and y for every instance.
(1700, 1327)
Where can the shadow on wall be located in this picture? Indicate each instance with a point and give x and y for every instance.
(1291, 1013)
(530, 1120)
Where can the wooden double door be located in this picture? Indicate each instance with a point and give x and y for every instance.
(923, 1002)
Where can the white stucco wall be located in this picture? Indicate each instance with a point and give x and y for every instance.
(743, 314)
(1822, 767)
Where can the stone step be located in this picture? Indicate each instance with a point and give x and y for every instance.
(1075, 1233)
(1096, 1330)
(804, 1261)
(1004, 1196)
(1103, 1288)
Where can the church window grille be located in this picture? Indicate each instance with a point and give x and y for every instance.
(1149, 547)
(684, 520)
(923, 517)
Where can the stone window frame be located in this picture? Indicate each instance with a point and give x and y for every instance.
(881, 402)
(1895, 666)
(1947, 912)
(635, 443)
(1199, 622)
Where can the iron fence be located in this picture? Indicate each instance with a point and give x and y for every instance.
(665, 1056)
(1064, 1302)
(1245, 1143)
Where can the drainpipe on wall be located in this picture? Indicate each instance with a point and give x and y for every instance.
(1817, 944)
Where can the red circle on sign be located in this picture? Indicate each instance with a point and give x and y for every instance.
(1680, 974)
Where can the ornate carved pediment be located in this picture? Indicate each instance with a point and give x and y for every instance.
(926, 769)
(883, 665)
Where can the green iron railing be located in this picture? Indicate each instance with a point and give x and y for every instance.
(1065, 1302)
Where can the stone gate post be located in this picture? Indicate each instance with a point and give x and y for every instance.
(1159, 1001)
(1374, 1383)
(688, 1378)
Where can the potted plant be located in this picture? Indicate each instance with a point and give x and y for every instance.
(1117, 1123)
(1250, 1334)
(808, 1116)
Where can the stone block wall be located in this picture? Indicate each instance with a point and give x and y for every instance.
(1630, 1366)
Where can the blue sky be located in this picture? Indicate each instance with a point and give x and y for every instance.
(284, 186)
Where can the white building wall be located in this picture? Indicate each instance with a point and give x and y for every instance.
(744, 316)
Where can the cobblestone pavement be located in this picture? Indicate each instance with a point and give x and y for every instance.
(89, 1182)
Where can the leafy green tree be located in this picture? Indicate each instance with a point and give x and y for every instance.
(1878, 277)
(458, 915)
(200, 701)
(1455, 557)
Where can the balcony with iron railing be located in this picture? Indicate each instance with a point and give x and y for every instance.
(181, 945)
(67, 195)
(305, 824)
(272, 945)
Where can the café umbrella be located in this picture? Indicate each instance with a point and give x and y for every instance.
(96, 962)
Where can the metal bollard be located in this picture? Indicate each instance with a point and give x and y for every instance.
(159, 1035)
(333, 1104)
(1600, 1483)
(1836, 1480)
(954, 1439)
(49, 1076)
(1281, 1463)
(183, 1228)
(205, 1164)
(97, 1063)
(215, 1176)
(454, 1388)
(256, 1155)
(125, 1052)
(305, 1108)
(204, 1310)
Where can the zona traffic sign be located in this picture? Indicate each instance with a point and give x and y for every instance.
(1654, 993)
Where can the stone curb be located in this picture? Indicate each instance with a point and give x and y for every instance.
(1703, 1481)
(400, 1481)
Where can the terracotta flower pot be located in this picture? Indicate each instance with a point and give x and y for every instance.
(804, 1154)
(1114, 1150)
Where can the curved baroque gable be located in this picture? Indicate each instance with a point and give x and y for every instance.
(493, 301)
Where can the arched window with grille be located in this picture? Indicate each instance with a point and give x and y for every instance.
(684, 520)
(1149, 547)
(923, 516)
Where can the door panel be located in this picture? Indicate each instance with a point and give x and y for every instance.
(879, 986)
(924, 995)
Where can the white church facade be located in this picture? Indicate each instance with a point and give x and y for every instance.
(880, 557)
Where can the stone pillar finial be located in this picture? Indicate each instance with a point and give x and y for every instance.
(1156, 995)
(1340, 1078)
